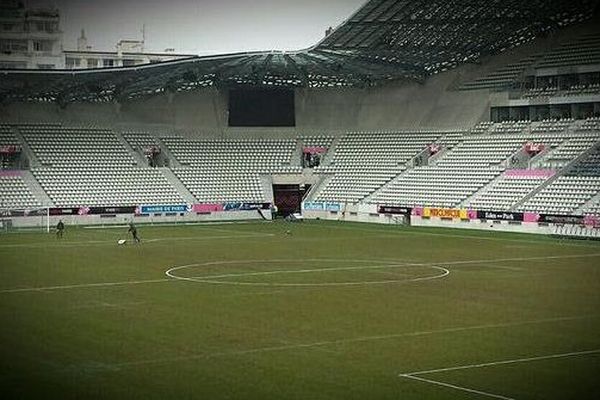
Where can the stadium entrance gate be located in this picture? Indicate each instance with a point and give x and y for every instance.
(288, 198)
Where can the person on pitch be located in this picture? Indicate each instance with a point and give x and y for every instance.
(60, 228)
(133, 230)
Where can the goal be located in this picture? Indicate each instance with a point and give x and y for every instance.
(12, 219)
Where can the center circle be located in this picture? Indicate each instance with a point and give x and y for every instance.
(254, 273)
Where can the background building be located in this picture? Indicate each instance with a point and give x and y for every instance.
(32, 39)
(29, 38)
(127, 53)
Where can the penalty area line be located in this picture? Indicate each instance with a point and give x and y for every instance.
(416, 375)
(345, 341)
(84, 285)
(456, 387)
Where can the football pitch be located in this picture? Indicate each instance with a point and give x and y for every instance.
(330, 311)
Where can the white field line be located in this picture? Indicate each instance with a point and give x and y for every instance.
(122, 283)
(353, 340)
(502, 362)
(158, 225)
(472, 237)
(416, 374)
(150, 227)
(502, 267)
(211, 278)
(104, 304)
(83, 285)
(461, 388)
(113, 242)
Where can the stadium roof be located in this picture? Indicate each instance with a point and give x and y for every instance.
(384, 40)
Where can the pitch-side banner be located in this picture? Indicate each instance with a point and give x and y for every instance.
(178, 208)
(207, 208)
(458, 213)
(394, 210)
(591, 221)
(106, 210)
(320, 206)
(500, 215)
(561, 219)
(246, 206)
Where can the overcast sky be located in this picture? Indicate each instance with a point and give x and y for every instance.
(201, 26)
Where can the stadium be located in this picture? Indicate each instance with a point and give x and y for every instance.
(409, 208)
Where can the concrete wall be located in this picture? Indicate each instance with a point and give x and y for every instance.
(120, 219)
(354, 214)
(396, 105)
(411, 105)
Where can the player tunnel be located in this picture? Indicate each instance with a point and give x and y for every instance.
(288, 198)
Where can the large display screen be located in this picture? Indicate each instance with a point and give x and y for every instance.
(261, 107)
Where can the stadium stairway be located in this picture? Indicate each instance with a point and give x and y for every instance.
(297, 155)
(318, 187)
(484, 189)
(178, 186)
(36, 189)
(550, 180)
(538, 161)
(391, 182)
(266, 183)
(33, 160)
(331, 151)
(587, 205)
(173, 161)
(139, 159)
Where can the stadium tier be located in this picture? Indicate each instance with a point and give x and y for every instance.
(228, 170)
(90, 167)
(364, 161)
(15, 194)
(568, 193)
(486, 167)
(583, 50)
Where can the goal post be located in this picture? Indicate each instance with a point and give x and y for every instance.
(34, 219)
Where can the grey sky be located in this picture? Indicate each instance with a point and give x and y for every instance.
(201, 26)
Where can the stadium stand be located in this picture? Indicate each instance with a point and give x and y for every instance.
(15, 194)
(139, 140)
(580, 51)
(88, 166)
(502, 77)
(364, 161)
(7, 137)
(585, 50)
(229, 170)
(505, 192)
(571, 191)
(480, 158)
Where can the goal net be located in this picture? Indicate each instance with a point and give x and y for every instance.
(36, 219)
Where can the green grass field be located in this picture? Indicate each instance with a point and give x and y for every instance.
(332, 311)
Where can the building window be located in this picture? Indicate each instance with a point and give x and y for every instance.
(10, 45)
(42, 45)
(46, 26)
(45, 66)
(72, 62)
(13, 64)
(128, 62)
(92, 63)
(108, 62)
